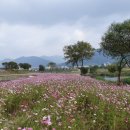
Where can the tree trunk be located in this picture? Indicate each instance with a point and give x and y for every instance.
(82, 62)
(77, 64)
(120, 67)
(73, 64)
(119, 77)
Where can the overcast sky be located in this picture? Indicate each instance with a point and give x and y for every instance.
(44, 27)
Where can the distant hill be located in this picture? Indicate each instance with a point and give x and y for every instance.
(5, 60)
(56, 59)
(35, 61)
(97, 59)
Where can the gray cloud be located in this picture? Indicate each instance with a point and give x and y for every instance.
(57, 11)
(43, 27)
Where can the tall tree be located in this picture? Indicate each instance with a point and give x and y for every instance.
(71, 54)
(78, 52)
(116, 44)
(85, 51)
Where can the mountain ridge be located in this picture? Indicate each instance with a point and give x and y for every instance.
(35, 61)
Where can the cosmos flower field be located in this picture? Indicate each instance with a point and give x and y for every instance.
(63, 102)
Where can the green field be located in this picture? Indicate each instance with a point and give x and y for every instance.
(63, 102)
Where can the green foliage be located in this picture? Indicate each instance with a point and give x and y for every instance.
(85, 51)
(71, 54)
(126, 80)
(25, 66)
(41, 68)
(93, 69)
(99, 114)
(116, 43)
(27, 97)
(93, 109)
(78, 52)
(10, 65)
(84, 70)
(52, 65)
(112, 68)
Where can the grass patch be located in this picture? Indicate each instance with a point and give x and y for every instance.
(66, 107)
(100, 114)
(126, 81)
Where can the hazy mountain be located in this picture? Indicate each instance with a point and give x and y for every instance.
(5, 60)
(56, 59)
(35, 61)
(97, 59)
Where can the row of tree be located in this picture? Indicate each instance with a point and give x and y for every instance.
(13, 65)
(115, 43)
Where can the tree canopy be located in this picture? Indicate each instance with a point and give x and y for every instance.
(71, 54)
(51, 64)
(112, 68)
(116, 43)
(85, 51)
(25, 66)
(10, 65)
(78, 52)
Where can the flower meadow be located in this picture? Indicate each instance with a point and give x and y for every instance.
(63, 102)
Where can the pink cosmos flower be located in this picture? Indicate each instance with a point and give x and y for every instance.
(46, 120)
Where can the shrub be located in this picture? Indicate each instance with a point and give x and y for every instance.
(84, 70)
(93, 69)
(112, 68)
(41, 68)
(126, 80)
